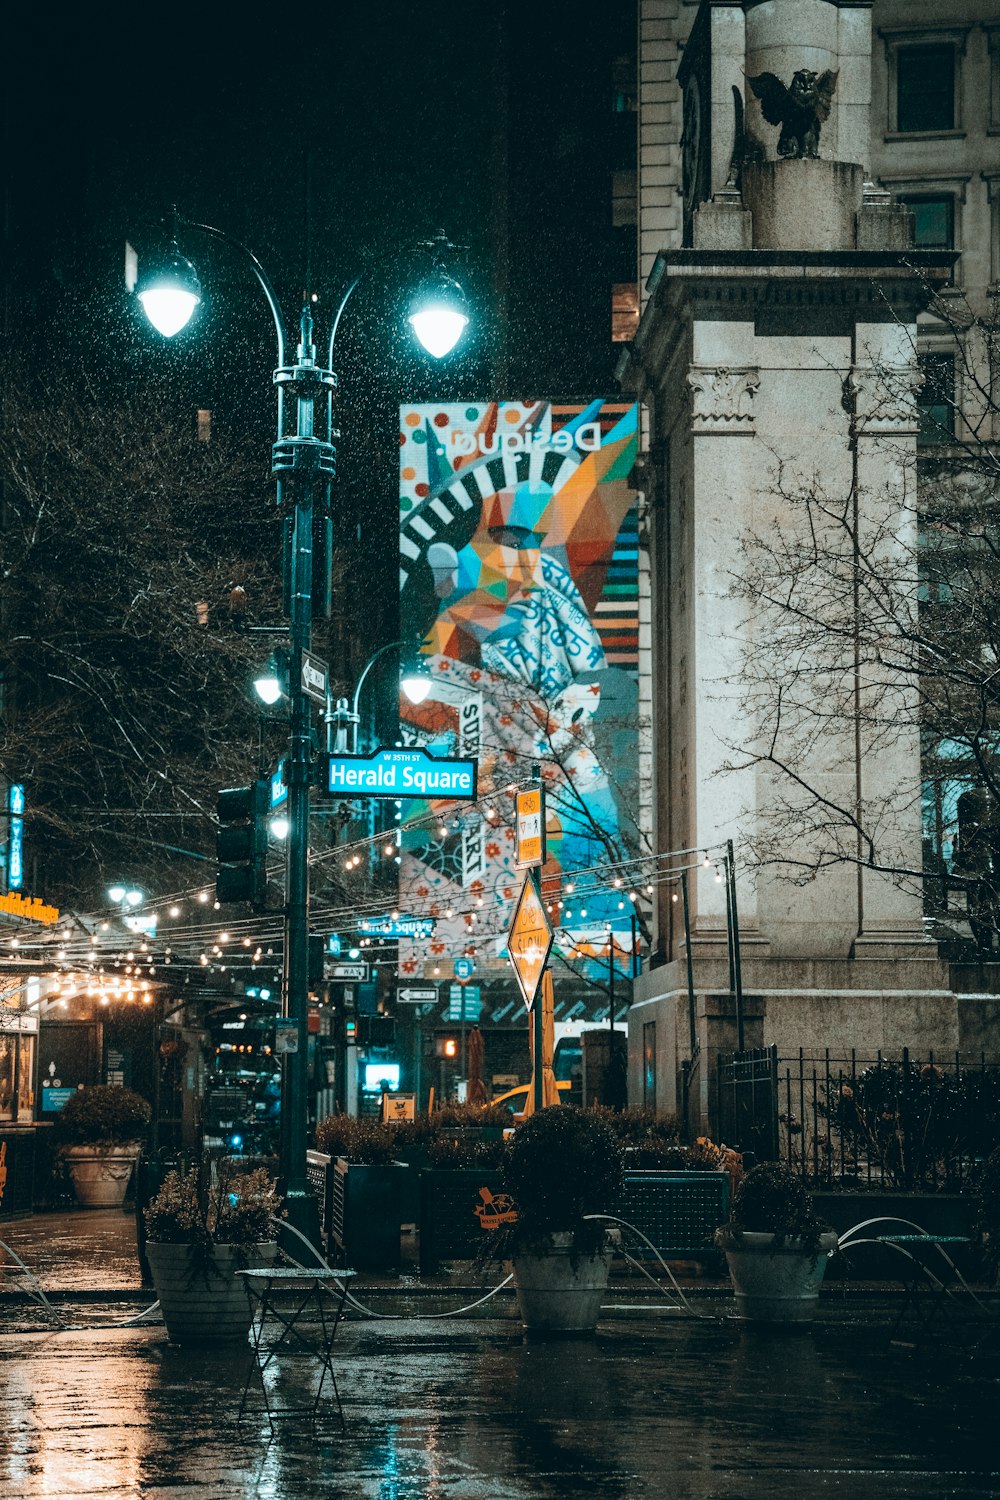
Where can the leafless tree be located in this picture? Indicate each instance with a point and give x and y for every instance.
(131, 553)
(873, 619)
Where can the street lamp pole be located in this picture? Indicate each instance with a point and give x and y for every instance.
(303, 464)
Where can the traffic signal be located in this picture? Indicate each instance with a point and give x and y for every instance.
(446, 1046)
(241, 843)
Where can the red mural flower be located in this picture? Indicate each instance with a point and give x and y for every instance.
(423, 891)
(492, 850)
(409, 966)
(437, 947)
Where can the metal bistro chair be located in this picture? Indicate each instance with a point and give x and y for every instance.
(287, 1295)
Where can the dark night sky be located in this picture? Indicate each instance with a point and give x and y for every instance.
(404, 116)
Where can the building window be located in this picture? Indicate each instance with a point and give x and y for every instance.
(936, 400)
(924, 78)
(925, 89)
(933, 220)
(624, 311)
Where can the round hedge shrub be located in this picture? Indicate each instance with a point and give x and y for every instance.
(560, 1165)
(103, 1114)
(773, 1200)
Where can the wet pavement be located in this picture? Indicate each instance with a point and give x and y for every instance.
(657, 1403)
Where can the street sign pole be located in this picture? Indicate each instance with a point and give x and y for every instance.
(537, 1020)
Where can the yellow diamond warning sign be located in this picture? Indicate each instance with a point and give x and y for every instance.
(529, 941)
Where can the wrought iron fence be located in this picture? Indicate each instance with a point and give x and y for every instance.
(892, 1122)
(900, 1122)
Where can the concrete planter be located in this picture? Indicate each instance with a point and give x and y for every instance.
(205, 1302)
(101, 1174)
(553, 1295)
(776, 1285)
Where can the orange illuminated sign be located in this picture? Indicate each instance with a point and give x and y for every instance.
(530, 829)
(28, 907)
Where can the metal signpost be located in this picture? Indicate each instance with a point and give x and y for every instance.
(530, 943)
(396, 773)
(531, 934)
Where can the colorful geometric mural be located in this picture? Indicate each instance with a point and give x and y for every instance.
(519, 576)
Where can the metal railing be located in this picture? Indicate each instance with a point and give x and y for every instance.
(896, 1122)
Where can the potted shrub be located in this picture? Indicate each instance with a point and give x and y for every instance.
(562, 1165)
(196, 1242)
(101, 1128)
(775, 1246)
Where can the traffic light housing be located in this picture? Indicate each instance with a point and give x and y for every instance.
(446, 1046)
(241, 843)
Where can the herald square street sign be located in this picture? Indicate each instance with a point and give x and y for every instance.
(529, 941)
(395, 926)
(404, 772)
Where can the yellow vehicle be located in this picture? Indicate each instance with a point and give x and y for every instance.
(515, 1099)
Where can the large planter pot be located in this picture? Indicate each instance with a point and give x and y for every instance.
(454, 1214)
(776, 1285)
(101, 1173)
(205, 1304)
(366, 1212)
(556, 1296)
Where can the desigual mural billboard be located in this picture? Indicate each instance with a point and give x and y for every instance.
(519, 576)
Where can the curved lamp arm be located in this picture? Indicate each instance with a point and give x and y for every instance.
(389, 646)
(261, 274)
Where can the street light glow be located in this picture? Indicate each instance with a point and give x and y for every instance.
(116, 893)
(416, 683)
(169, 293)
(268, 687)
(439, 327)
(168, 308)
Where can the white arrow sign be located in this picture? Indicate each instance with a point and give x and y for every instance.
(412, 994)
(358, 971)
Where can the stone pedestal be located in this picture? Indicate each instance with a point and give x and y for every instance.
(803, 205)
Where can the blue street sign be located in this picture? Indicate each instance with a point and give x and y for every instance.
(395, 927)
(15, 852)
(464, 1002)
(408, 772)
(464, 968)
(333, 945)
(279, 791)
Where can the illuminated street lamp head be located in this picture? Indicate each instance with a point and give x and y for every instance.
(268, 684)
(169, 293)
(116, 893)
(439, 311)
(415, 679)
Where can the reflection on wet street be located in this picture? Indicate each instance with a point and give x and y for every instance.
(452, 1411)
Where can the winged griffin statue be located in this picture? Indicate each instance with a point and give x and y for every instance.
(800, 109)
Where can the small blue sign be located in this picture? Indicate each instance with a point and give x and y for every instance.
(53, 1099)
(464, 1002)
(15, 852)
(408, 772)
(464, 968)
(333, 945)
(279, 790)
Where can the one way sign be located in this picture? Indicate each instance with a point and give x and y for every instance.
(415, 994)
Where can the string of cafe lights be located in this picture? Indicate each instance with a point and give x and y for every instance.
(257, 938)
